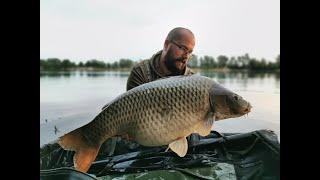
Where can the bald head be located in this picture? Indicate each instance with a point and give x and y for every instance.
(177, 50)
(178, 33)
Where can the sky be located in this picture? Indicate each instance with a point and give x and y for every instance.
(108, 30)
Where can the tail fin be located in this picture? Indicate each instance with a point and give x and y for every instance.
(85, 153)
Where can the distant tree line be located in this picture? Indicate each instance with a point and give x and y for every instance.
(66, 64)
(205, 62)
(240, 62)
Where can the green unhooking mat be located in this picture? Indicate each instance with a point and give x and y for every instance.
(254, 155)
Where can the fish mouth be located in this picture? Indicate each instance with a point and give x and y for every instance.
(247, 109)
(242, 111)
(220, 116)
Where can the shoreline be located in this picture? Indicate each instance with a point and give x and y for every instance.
(224, 70)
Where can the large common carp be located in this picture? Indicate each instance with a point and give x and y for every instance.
(162, 112)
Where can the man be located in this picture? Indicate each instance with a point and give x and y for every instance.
(170, 61)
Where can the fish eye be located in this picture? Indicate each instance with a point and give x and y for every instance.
(236, 98)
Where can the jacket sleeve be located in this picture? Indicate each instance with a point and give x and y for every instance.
(135, 78)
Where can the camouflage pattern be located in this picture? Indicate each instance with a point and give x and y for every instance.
(147, 71)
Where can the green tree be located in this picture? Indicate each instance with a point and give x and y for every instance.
(42, 64)
(271, 66)
(263, 65)
(207, 62)
(95, 64)
(222, 61)
(108, 65)
(80, 64)
(232, 63)
(115, 65)
(66, 64)
(240, 63)
(193, 62)
(201, 60)
(125, 63)
(245, 60)
(253, 64)
(53, 64)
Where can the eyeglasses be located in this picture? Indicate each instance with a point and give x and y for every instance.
(182, 48)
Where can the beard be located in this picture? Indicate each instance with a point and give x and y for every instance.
(170, 64)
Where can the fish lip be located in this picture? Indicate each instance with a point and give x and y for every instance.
(248, 108)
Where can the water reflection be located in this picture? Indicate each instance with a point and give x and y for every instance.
(277, 76)
(221, 75)
(83, 73)
(95, 74)
(236, 80)
(240, 75)
(57, 73)
(246, 80)
(211, 74)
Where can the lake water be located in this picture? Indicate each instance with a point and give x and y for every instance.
(71, 99)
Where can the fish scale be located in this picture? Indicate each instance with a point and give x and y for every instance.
(160, 112)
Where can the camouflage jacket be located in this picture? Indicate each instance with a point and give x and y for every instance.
(147, 71)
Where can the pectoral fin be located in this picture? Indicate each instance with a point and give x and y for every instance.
(179, 146)
(204, 127)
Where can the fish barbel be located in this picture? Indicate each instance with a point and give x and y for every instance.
(161, 112)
